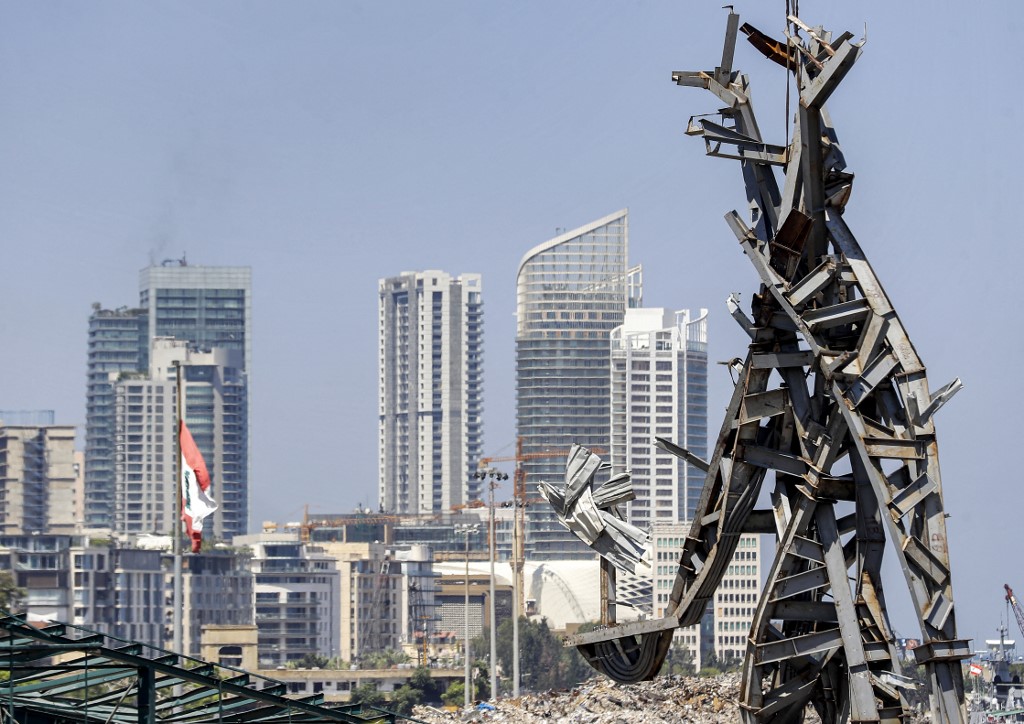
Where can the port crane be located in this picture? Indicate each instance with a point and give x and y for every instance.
(1017, 611)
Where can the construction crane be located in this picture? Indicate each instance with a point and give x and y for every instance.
(1017, 611)
(372, 639)
(418, 623)
(309, 524)
(520, 500)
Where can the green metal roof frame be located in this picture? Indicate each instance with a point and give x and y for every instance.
(63, 673)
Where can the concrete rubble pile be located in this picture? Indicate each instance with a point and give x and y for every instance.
(674, 699)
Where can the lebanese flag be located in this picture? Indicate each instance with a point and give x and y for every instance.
(976, 669)
(196, 504)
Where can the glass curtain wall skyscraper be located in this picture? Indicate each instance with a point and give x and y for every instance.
(571, 292)
(430, 367)
(209, 308)
(118, 343)
(659, 388)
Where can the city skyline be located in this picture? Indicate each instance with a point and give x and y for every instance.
(327, 146)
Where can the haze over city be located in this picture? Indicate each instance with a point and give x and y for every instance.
(327, 145)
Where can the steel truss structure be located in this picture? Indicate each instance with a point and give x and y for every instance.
(61, 674)
(832, 404)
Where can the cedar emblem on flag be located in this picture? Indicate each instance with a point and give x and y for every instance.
(976, 669)
(196, 503)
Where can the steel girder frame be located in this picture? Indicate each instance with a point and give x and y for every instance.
(64, 674)
(833, 400)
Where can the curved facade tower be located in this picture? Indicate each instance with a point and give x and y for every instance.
(571, 292)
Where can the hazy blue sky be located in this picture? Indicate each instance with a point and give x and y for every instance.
(327, 145)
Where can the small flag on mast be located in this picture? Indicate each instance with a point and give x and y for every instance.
(196, 503)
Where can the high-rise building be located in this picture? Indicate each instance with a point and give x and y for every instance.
(145, 435)
(430, 351)
(571, 292)
(209, 308)
(37, 479)
(118, 343)
(659, 389)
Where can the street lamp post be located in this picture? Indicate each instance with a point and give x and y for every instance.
(465, 635)
(493, 476)
(516, 593)
(466, 530)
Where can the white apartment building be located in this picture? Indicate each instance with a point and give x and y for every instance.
(298, 598)
(373, 611)
(659, 388)
(145, 435)
(38, 478)
(736, 600)
(430, 368)
(724, 630)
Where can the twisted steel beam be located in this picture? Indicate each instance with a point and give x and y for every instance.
(832, 406)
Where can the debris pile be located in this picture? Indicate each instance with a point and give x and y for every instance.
(674, 699)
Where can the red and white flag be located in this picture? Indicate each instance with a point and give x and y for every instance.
(976, 669)
(196, 503)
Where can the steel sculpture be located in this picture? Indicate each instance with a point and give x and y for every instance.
(832, 407)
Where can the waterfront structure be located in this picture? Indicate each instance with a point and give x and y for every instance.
(430, 369)
(571, 292)
(298, 598)
(659, 370)
(37, 479)
(118, 343)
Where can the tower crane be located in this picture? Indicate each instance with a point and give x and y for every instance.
(519, 498)
(1017, 611)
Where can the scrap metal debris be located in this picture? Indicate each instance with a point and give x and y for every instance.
(593, 516)
(670, 700)
(832, 417)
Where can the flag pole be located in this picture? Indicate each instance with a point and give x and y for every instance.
(176, 527)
